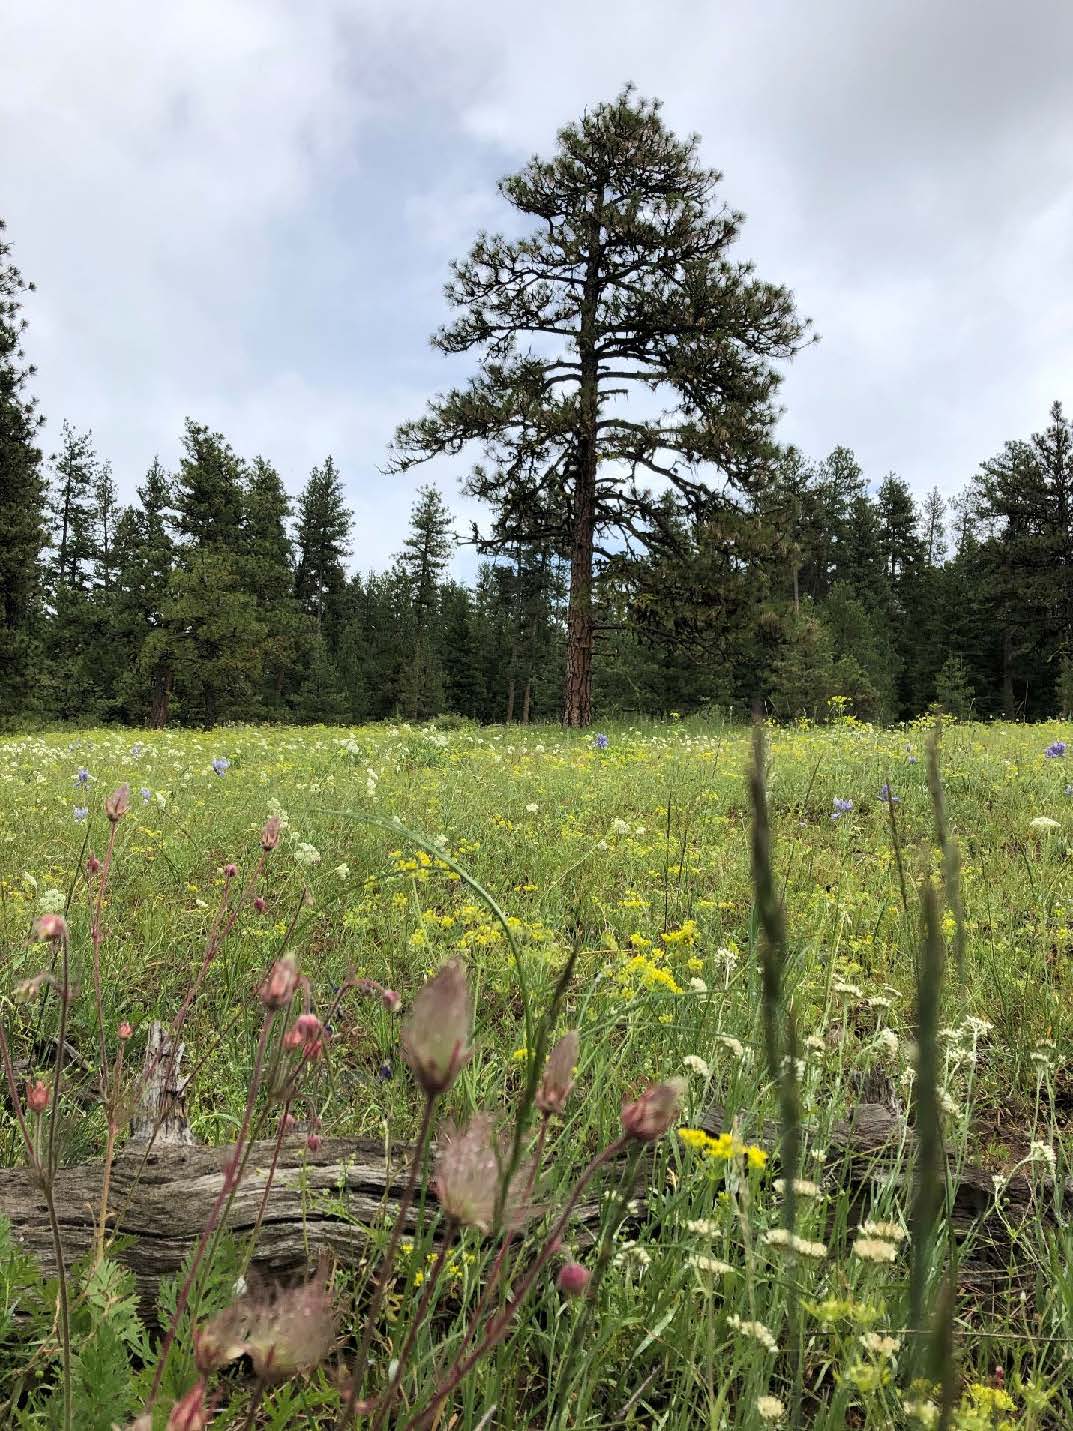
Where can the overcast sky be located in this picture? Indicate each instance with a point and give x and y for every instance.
(243, 210)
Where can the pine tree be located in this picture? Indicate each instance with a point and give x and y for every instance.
(325, 523)
(145, 559)
(268, 575)
(73, 508)
(626, 270)
(422, 564)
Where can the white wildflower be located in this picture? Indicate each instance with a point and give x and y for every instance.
(1044, 822)
(850, 990)
(52, 901)
(1042, 1153)
(713, 1265)
(619, 827)
(779, 1237)
(698, 985)
(803, 1187)
(815, 1044)
(926, 1412)
(879, 1344)
(696, 1064)
(342, 872)
(978, 1028)
(702, 1227)
(888, 1039)
(756, 1330)
(874, 1249)
(306, 854)
(889, 1231)
(770, 1409)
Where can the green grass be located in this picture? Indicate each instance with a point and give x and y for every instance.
(638, 858)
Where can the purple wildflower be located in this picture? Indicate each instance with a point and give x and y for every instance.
(82, 776)
(221, 765)
(81, 811)
(146, 794)
(888, 796)
(1055, 750)
(601, 741)
(840, 807)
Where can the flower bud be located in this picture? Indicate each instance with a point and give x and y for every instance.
(558, 1078)
(125, 1031)
(649, 1116)
(50, 926)
(309, 1027)
(230, 871)
(313, 1142)
(278, 989)
(190, 1412)
(117, 804)
(93, 864)
(573, 1279)
(390, 1000)
(37, 1096)
(260, 904)
(273, 828)
(436, 1035)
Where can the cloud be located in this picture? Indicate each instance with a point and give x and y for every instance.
(244, 210)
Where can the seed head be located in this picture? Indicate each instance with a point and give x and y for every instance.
(278, 989)
(573, 1279)
(273, 828)
(117, 804)
(468, 1176)
(558, 1078)
(50, 926)
(37, 1095)
(437, 1033)
(649, 1117)
(292, 1330)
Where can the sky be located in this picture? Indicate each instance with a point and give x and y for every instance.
(244, 210)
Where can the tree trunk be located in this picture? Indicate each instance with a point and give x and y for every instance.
(580, 624)
(526, 695)
(510, 700)
(160, 700)
(1009, 707)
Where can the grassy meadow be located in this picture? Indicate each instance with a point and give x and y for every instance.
(398, 845)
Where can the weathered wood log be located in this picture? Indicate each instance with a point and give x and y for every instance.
(333, 1198)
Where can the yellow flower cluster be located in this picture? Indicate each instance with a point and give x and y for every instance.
(722, 1147)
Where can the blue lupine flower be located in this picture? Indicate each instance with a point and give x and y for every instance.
(81, 811)
(82, 776)
(221, 765)
(887, 794)
(840, 807)
(1069, 789)
(136, 749)
(912, 759)
(146, 794)
(1055, 750)
(601, 741)
(385, 1072)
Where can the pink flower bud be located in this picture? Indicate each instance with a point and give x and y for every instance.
(260, 904)
(271, 833)
(390, 1000)
(573, 1279)
(308, 1027)
(37, 1095)
(313, 1142)
(558, 1079)
(50, 926)
(292, 1039)
(93, 864)
(125, 1031)
(288, 1122)
(278, 989)
(117, 804)
(649, 1116)
(190, 1412)
(230, 871)
(436, 1035)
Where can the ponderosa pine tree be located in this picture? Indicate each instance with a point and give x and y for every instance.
(422, 564)
(325, 523)
(623, 282)
(268, 575)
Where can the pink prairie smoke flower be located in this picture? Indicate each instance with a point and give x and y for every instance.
(437, 1033)
(278, 989)
(260, 904)
(468, 1177)
(573, 1279)
(37, 1095)
(649, 1116)
(273, 828)
(390, 1000)
(124, 1031)
(293, 1330)
(558, 1077)
(50, 926)
(230, 871)
(313, 1142)
(118, 803)
(93, 864)
(191, 1412)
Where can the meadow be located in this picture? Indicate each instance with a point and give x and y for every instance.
(626, 856)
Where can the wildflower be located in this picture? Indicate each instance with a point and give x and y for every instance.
(889, 1231)
(731, 1044)
(698, 985)
(82, 777)
(385, 1072)
(887, 795)
(780, 1237)
(631, 1253)
(230, 871)
(696, 1065)
(874, 1249)
(124, 1031)
(37, 1095)
(306, 854)
(117, 804)
(1042, 1153)
(756, 1330)
(619, 827)
(80, 812)
(978, 1028)
(191, 1412)
(573, 1278)
(922, 1410)
(600, 741)
(1044, 822)
(558, 1076)
(770, 1409)
(221, 765)
(260, 904)
(840, 807)
(1055, 750)
(700, 1263)
(532, 809)
(436, 1035)
(879, 1344)
(273, 826)
(278, 989)
(467, 1178)
(649, 1117)
(52, 901)
(702, 1226)
(889, 1041)
(146, 794)
(803, 1187)
(50, 926)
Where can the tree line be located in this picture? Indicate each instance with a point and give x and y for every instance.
(649, 545)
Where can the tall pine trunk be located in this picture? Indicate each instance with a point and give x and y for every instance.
(580, 624)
